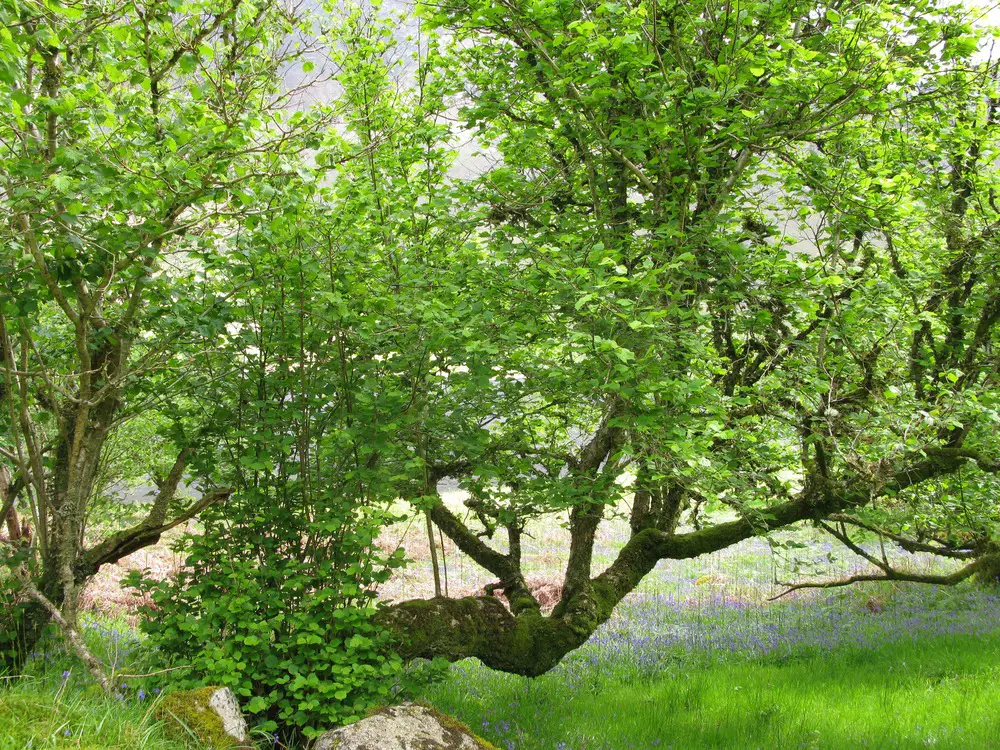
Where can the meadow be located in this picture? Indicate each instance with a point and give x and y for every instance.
(920, 671)
(697, 657)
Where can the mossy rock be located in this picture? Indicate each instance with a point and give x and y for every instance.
(191, 715)
(450, 722)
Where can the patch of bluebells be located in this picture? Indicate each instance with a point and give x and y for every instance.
(652, 632)
(655, 635)
(117, 645)
(115, 648)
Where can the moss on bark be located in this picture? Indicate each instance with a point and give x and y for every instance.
(988, 570)
(529, 644)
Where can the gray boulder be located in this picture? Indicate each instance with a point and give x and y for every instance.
(408, 726)
(225, 705)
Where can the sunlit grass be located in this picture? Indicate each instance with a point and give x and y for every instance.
(56, 704)
(34, 715)
(926, 687)
(696, 658)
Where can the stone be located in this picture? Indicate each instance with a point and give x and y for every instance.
(211, 714)
(224, 703)
(408, 726)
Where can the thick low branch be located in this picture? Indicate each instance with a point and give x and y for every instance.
(530, 644)
(640, 555)
(147, 532)
(481, 627)
(526, 642)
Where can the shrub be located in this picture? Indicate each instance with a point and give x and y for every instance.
(277, 604)
(9, 606)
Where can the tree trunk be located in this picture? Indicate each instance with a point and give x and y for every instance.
(7, 502)
(482, 627)
(529, 643)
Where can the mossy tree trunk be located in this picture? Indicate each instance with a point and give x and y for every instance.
(520, 639)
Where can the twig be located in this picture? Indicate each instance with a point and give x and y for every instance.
(151, 674)
(890, 575)
(92, 663)
(842, 537)
(908, 544)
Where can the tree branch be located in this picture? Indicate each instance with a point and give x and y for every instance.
(949, 579)
(502, 566)
(848, 542)
(910, 545)
(93, 664)
(145, 533)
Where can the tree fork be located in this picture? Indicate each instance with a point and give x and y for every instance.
(523, 641)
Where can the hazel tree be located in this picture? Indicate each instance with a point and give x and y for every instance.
(135, 139)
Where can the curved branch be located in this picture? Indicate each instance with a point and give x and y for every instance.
(93, 664)
(910, 545)
(844, 539)
(143, 534)
(527, 643)
(504, 567)
(949, 579)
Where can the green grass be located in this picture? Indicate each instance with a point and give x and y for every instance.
(693, 659)
(941, 692)
(40, 716)
(56, 704)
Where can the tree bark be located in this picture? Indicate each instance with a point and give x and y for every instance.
(9, 514)
(69, 630)
(530, 644)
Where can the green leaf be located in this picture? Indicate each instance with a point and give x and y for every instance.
(113, 73)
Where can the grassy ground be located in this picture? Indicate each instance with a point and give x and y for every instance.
(923, 670)
(695, 658)
(42, 716)
(56, 704)
(879, 667)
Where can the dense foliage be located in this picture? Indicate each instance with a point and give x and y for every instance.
(709, 262)
(285, 623)
(136, 136)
